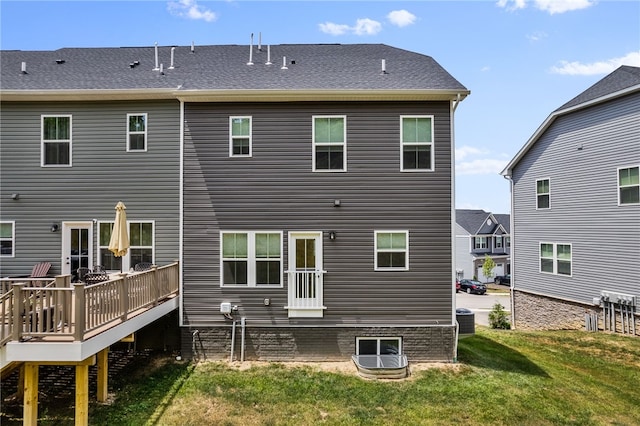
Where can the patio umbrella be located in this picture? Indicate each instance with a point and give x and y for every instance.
(119, 242)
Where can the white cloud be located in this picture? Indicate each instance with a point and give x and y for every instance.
(550, 6)
(190, 9)
(594, 68)
(485, 68)
(537, 36)
(481, 166)
(334, 29)
(363, 26)
(401, 18)
(466, 150)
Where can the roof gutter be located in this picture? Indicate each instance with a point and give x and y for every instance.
(86, 95)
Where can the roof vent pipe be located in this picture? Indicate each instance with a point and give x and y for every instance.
(161, 69)
(384, 66)
(24, 68)
(260, 41)
(193, 47)
(173, 51)
(156, 52)
(268, 55)
(251, 51)
(284, 63)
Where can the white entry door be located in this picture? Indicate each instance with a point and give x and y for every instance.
(305, 275)
(77, 246)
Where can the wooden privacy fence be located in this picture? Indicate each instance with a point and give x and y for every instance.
(61, 311)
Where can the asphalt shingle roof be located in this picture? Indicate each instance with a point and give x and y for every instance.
(224, 67)
(473, 220)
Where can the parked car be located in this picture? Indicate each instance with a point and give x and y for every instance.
(503, 279)
(457, 285)
(473, 286)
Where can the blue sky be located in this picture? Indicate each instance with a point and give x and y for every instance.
(521, 59)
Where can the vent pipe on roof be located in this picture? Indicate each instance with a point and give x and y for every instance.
(268, 55)
(161, 69)
(260, 41)
(173, 51)
(24, 68)
(193, 47)
(251, 51)
(284, 63)
(384, 66)
(156, 51)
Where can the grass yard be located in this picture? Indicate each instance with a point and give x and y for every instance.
(502, 378)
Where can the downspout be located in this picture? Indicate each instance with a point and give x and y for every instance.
(233, 340)
(454, 106)
(243, 324)
(511, 252)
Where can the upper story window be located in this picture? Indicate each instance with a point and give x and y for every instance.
(330, 143)
(543, 193)
(240, 136)
(481, 243)
(498, 242)
(507, 242)
(7, 239)
(629, 185)
(416, 140)
(136, 132)
(56, 140)
(391, 250)
(555, 258)
(251, 258)
(141, 246)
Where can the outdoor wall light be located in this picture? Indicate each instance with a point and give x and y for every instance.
(336, 203)
(332, 235)
(15, 196)
(54, 227)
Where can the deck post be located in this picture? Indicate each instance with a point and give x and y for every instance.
(103, 374)
(18, 310)
(154, 286)
(123, 294)
(82, 395)
(78, 334)
(30, 410)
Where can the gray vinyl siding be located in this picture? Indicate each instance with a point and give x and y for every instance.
(102, 173)
(464, 260)
(580, 154)
(277, 190)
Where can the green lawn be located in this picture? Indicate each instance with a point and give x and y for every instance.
(501, 378)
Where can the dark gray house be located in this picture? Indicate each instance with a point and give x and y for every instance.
(317, 207)
(80, 130)
(306, 189)
(480, 234)
(576, 212)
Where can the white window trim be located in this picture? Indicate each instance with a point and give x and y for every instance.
(544, 193)
(129, 132)
(13, 238)
(496, 239)
(618, 187)
(478, 240)
(378, 339)
(231, 136)
(315, 144)
(375, 250)
(126, 259)
(251, 259)
(432, 144)
(43, 142)
(554, 258)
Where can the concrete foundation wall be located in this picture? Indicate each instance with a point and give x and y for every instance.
(536, 312)
(430, 344)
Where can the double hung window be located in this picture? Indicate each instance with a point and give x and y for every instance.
(481, 243)
(240, 136)
(416, 140)
(141, 246)
(543, 193)
(555, 258)
(391, 250)
(629, 185)
(136, 132)
(7, 239)
(330, 143)
(56, 140)
(251, 258)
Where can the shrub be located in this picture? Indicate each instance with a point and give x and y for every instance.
(498, 318)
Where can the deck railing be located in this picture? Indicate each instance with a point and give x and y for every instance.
(62, 311)
(305, 289)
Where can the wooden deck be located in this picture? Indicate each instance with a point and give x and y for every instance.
(55, 320)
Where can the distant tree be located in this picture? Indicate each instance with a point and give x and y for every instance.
(488, 267)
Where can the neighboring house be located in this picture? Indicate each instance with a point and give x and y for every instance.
(576, 212)
(81, 130)
(310, 187)
(480, 234)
